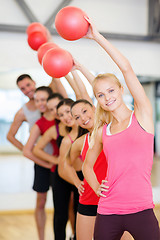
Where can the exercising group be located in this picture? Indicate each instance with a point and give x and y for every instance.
(97, 160)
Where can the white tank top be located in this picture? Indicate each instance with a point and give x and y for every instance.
(109, 125)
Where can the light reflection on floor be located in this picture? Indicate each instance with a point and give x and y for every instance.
(16, 179)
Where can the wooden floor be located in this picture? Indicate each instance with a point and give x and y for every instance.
(16, 195)
(22, 226)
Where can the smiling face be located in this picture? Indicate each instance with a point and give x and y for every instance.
(52, 106)
(28, 87)
(64, 113)
(40, 98)
(84, 115)
(108, 94)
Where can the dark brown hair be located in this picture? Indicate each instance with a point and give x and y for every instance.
(21, 77)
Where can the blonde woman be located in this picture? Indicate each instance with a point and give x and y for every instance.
(126, 202)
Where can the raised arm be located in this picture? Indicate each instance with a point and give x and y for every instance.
(142, 105)
(52, 85)
(17, 122)
(27, 150)
(82, 88)
(89, 76)
(74, 86)
(58, 87)
(38, 150)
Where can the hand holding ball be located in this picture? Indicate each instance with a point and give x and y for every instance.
(57, 62)
(71, 24)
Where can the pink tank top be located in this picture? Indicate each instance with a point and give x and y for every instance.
(129, 155)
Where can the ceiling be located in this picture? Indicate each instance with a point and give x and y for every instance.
(16, 15)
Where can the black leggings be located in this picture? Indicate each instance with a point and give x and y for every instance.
(61, 196)
(142, 226)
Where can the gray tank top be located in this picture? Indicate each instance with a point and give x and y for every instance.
(31, 116)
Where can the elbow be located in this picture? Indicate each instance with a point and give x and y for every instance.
(61, 169)
(9, 137)
(25, 152)
(126, 67)
(37, 151)
(34, 151)
(78, 96)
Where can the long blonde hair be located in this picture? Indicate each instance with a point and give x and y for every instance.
(102, 116)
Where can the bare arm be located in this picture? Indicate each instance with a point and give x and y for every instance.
(142, 106)
(75, 150)
(52, 85)
(74, 86)
(91, 157)
(38, 149)
(63, 153)
(89, 76)
(69, 174)
(65, 168)
(83, 91)
(27, 150)
(17, 122)
(58, 87)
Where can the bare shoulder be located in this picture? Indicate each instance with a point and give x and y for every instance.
(66, 141)
(51, 133)
(78, 143)
(35, 129)
(52, 130)
(20, 115)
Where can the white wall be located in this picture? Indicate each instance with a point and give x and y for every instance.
(118, 16)
(17, 57)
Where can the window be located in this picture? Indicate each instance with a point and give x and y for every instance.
(11, 102)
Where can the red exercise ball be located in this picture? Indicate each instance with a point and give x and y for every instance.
(44, 48)
(36, 39)
(71, 24)
(36, 27)
(57, 62)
